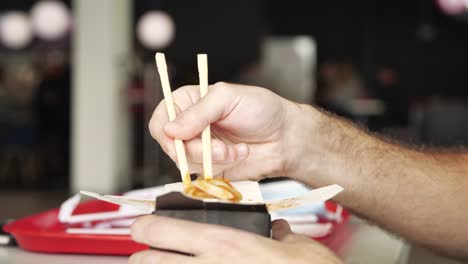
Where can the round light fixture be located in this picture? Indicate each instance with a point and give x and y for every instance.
(452, 7)
(50, 19)
(155, 30)
(15, 30)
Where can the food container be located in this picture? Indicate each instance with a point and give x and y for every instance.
(248, 217)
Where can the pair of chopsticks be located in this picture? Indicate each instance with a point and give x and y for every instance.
(206, 134)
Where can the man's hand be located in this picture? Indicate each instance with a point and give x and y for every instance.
(259, 134)
(249, 129)
(222, 245)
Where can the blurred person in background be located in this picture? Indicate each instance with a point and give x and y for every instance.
(52, 108)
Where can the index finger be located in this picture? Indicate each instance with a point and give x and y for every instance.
(183, 97)
(180, 235)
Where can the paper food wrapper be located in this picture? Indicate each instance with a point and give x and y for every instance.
(251, 214)
(250, 191)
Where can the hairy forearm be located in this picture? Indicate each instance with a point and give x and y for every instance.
(421, 195)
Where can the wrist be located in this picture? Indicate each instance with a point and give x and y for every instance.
(313, 149)
(298, 131)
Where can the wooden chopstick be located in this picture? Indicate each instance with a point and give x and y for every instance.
(179, 145)
(206, 134)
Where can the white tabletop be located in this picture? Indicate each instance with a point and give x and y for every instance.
(356, 242)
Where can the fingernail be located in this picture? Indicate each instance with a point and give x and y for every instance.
(242, 150)
(217, 153)
(174, 125)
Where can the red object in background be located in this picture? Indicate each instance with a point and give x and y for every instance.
(44, 233)
(333, 208)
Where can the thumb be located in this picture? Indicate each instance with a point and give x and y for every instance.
(280, 229)
(191, 122)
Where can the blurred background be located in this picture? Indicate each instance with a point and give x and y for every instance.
(78, 81)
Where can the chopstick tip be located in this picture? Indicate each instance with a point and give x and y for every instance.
(160, 61)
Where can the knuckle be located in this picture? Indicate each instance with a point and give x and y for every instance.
(221, 87)
(186, 90)
(160, 107)
(153, 129)
(184, 87)
(190, 113)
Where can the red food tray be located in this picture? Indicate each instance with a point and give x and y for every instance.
(44, 233)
